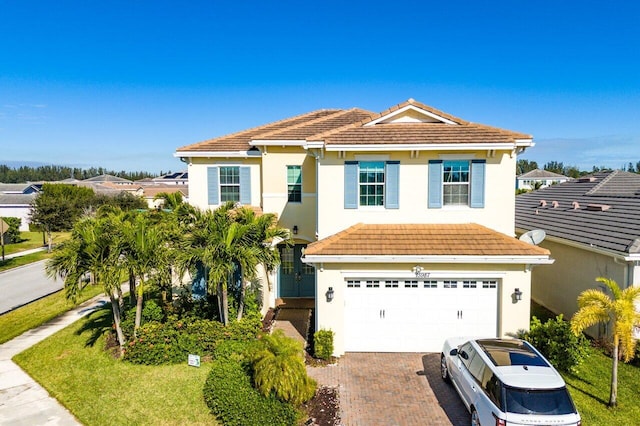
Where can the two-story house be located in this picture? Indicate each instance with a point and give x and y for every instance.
(403, 220)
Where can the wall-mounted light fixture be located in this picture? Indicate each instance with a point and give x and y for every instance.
(295, 229)
(329, 294)
(517, 295)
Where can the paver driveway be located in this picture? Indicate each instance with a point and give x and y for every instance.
(392, 389)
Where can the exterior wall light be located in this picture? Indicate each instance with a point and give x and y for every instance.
(295, 229)
(517, 295)
(329, 294)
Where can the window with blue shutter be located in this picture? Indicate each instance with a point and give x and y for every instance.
(245, 185)
(392, 185)
(350, 184)
(435, 184)
(213, 195)
(477, 183)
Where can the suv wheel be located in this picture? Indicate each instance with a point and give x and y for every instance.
(444, 371)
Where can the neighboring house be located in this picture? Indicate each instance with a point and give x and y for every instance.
(177, 178)
(537, 179)
(16, 199)
(592, 227)
(108, 179)
(403, 221)
(150, 193)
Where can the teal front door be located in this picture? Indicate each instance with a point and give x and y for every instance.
(297, 279)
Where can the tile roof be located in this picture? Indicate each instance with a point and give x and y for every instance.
(240, 141)
(616, 229)
(422, 239)
(107, 178)
(541, 174)
(152, 191)
(17, 199)
(359, 127)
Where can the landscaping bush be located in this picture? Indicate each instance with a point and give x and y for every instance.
(279, 369)
(323, 344)
(231, 398)
(555, 340)
(171, 342)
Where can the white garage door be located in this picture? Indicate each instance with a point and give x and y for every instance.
(417, 315)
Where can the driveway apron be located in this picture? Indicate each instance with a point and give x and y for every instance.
(392, 389)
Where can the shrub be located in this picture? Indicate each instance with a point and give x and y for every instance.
(555, 340)
(323, 344)
(231, 398)
(279, 369)
(170, 342)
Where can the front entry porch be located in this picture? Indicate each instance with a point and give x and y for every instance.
(297, 279)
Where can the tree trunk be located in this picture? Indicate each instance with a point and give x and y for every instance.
(138, 313)
(132, 287)
(115, 307)
(241, 301)
(219, 298)
(613, 397)
(49, 242)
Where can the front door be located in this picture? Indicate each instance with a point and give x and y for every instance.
(297, 279)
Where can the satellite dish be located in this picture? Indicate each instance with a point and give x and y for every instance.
(534, 237)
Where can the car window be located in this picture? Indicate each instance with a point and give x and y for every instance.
(544, 402)
(477, 367)
(466, 353)
(492, 387)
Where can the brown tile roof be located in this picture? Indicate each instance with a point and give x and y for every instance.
(152, 191)
(304, 129)
(349, 127)
(422, 240)
(240, 141)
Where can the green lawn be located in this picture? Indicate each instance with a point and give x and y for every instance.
(18, 321)
(100, 390)
(590, 391)
(33, 240)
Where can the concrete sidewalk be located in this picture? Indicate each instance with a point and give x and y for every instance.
(24, 252)
(22, 400)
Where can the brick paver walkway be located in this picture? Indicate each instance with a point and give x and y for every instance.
(392, 389)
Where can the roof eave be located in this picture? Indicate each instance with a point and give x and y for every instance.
(210, 154)
(421, 147)
(515, 260)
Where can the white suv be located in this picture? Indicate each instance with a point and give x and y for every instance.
(507, 382)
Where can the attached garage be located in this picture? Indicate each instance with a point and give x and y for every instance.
(416, 315)
(406, 288)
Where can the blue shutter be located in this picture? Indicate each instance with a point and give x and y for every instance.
(435, 184)
(350, 184)
(477, 183)
(245, 185)
(213, 189)
(392, 185)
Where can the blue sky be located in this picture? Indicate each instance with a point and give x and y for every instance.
(122, 84)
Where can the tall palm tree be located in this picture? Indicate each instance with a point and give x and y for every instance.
(94, 247)
(262, 233)
(595, 307)
(145, 246)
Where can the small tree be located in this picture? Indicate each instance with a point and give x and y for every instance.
(597, 307)
(279, 369)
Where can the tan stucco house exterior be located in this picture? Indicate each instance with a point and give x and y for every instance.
(403, 220)
(592, 227)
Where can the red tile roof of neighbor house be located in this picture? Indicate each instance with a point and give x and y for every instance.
(422, 239)
(359, 127)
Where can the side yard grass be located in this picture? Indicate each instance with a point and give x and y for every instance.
(590, 388)
(98, 389)
(31, 240)
(16, 322)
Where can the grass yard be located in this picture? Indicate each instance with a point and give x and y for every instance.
(16, 322)
(100, 390)
(33, 240)
(590, 391)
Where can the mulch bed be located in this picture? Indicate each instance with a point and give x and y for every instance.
(324, 408)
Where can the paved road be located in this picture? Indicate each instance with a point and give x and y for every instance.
(25, 284)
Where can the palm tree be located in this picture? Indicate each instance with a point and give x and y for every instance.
(263, 234)
(596, 307)
(94, 247)
(279, 368)
(145, 250)
(171, 200)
